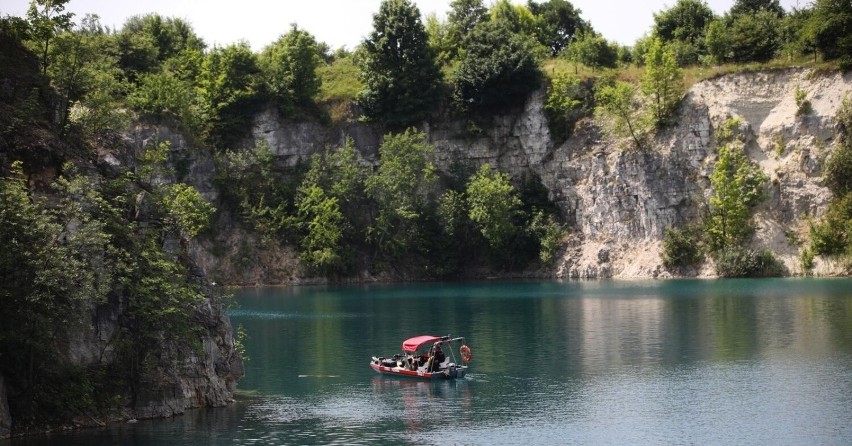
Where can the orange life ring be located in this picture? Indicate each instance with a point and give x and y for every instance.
(465, 353)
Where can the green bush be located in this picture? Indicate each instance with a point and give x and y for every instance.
(745, 262)
(833, 235)
(564, 105)
(803, 105)
(681, 248)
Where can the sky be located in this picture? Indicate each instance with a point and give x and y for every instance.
(341, 23)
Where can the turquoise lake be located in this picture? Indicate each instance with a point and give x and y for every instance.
(692, 362)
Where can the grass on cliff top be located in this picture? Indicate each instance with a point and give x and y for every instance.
(691, 75)
(340, 87)
(340, 83)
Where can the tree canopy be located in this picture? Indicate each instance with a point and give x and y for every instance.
(289, 67)
(499, 69)
(401, 78)
(558, 22)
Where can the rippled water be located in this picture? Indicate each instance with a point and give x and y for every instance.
(662, 362)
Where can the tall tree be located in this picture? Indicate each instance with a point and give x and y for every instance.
(737, 186)
(499, 69)
(146, 42)
(228, 84)
(662, 82)
(493, 205)
(463, 16)
(289, 68)
(518, 18)
(558, 22)
(755, 37)
(831, 28)
(619, 107)
(686, 21)
(47, 19)
(753, 6)
(400, 187)
(398, 69)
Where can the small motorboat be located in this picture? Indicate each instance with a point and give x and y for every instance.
(425, 357)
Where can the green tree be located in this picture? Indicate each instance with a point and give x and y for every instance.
(517, 18)
(464, 15)
(592, 50)
(87, 78)
(564, 104)
(681, 248)
(754, 37)
(549, 234)
(741, 7)
(47, 19)
(718, 41)
(796, 36)
(833, 233)
(737, 186)
(558, 21)
(289, 67)
(186, 209)
(164, 96)
(438, 33)
(493, 205)
(400, 187)
(831, 28)
(499, 70)
(228, 86)
(249, 184)
(686, 21)
(662, 82)
(838, 167)
(339, 175)
(323, 225)
(398, 69)
(683, 27)
(619, 108)
(146, 42)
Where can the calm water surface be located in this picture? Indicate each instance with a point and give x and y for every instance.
(658, 362)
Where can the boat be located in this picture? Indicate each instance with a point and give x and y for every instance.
(427, 357)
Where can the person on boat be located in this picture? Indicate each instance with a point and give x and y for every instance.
(437, 359)
(423, 359)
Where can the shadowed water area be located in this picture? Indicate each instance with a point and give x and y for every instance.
(610, 362)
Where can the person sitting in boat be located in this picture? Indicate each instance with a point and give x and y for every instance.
(423, 359)
(437, 359)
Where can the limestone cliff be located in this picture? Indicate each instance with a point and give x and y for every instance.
(617, 200)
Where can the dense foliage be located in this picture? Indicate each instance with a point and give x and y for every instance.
(681, 248)
(401, 78)
(832, 234)
(499, 69)
(289, 68)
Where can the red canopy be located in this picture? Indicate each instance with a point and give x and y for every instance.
(411, 345)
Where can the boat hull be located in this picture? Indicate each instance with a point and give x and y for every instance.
(456, 372)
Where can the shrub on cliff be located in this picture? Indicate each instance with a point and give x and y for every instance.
(681, 248)
(737, 186)
(744, 262)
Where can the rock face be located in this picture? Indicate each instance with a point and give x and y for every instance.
(188, 378)
(618, 200)
(5, 416)
(205, 378)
